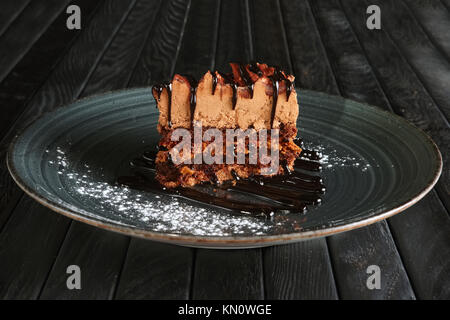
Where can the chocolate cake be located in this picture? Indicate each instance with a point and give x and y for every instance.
(251, 97)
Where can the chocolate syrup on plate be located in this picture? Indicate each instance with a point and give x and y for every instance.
(264, 197)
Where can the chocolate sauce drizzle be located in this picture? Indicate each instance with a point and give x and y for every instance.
(253, 67)
(193, 98)
(288, 193)
(277, 77)
(158, 88)
(247, 79)
(228, 78)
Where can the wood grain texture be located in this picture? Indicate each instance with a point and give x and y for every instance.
(28, 75)
(357, 81)
(309, 61)
(98, 253)
(354, 76)
(269, 43)
(320, 284)
(228, 274)
(84, 242)
(299, 271)
(425, 252)
(118, 63)
(156, 271)
(30, 25)
(64, 85)
(430, 65)
(152, 270)
(70, 77)
(354, 252)
(10, 11)
(434, 19)
(410, 100)
(233, 35)
(31, 231)
(197, 52)
(158, 57)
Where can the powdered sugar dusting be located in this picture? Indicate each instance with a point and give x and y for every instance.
(331, 158)
(159, 213)
(110, 201)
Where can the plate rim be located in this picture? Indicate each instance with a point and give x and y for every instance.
(215, 241)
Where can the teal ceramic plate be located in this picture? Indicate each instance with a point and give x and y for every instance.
(375, 165)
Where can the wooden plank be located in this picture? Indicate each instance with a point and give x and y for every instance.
(228, 274)
(409, 99)
(84, 242)
(156, 271)
(98, 253)
(355, 251)
(27, 76)
(265, 50)
(310, 64)
(153, 270)
(434, 19)
(352, 252)
(355, 77)
(282, 264)
(432, 68)
(30, 25)
(159, 55)
(233, 33)
(119, 62)
(197, 52)
(299, 271)
(425, 252)
(23, 267)
(10, 11)
(78, 65)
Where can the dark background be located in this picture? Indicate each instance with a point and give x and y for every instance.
(404, 68)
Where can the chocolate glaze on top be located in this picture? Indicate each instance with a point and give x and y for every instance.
(291, 192)
(253, 67)
(228, 79)
(158, 88)
(247, 79)
(240, 77)
(193, 99)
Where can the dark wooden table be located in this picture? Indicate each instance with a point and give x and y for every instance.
(404, 68)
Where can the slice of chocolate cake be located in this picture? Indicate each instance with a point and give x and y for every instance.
(240, 124)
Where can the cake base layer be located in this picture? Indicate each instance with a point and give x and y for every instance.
(173, 174)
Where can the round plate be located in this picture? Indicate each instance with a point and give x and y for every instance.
(375, 164)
